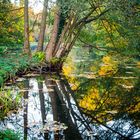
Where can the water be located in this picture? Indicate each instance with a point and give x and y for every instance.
(50, 111)
(97, 99)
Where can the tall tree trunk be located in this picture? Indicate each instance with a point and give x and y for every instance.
(42, 27)
(26, 28)
(51, 45)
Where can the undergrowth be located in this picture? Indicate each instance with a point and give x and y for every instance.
(9, 102)
(9, 135)
(11, 63)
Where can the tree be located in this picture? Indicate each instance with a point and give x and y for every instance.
(51, 45)
(11, 24)
(42, 27)
(74, 22)
(26, 28)
(83, 15)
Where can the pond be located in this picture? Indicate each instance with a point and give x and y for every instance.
(50, 111)
(94, 99)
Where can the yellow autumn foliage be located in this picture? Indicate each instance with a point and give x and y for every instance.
(138, 64)
(108, 67)
(68, 71)
(89, 102)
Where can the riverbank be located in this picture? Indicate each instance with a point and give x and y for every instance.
(15, 63)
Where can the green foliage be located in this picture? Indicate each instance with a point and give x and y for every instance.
(11, 24)
(8, 102)
(9, 135)
(87, 36)
(3, 50)
(117, 32)
(39, 56)
(11, 64)
(54, 60)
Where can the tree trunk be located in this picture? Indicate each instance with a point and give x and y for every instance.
(26, 29)
(51, 45)
(42, 27)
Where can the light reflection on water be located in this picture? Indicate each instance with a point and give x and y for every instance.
(50, 111)
(43, 115)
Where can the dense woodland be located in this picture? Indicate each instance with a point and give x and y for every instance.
(82, 40)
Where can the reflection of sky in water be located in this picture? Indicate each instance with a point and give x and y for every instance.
(16, 121)
(35, 124)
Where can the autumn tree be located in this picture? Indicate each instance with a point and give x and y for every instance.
(11, 24)
(73, 17)
(74, 22)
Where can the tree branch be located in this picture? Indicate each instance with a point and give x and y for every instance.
(96, 17)
(34, 23)
(93, 46)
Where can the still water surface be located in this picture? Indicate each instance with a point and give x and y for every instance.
(51, 111)
(97, 99)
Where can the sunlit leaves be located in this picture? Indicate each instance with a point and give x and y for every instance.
(89, 102)
(68, 71)
(11, 24)
(109, 67)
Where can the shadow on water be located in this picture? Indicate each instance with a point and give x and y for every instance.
(50, 111)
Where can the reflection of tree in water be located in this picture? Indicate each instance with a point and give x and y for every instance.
(82, 123)
(25, 112)
(109, 101)
(42, 106)
(60, 109)
(111, 117)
